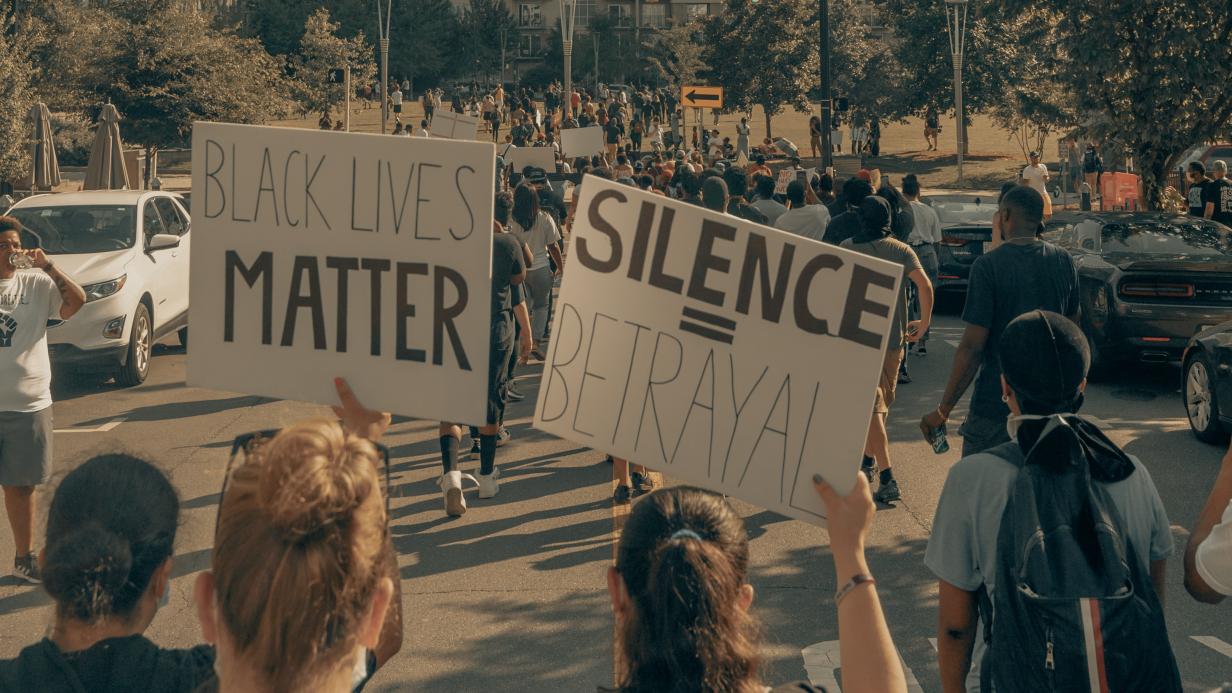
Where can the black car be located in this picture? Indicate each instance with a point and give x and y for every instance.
(1207, 386)
(1149, 281)
(966, 231)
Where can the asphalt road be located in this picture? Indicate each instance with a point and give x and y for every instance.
(512, 596)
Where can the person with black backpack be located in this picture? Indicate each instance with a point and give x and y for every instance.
(1057, 539)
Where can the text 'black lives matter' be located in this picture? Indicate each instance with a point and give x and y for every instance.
(708, 330)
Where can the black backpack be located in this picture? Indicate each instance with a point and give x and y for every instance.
(1073, 609)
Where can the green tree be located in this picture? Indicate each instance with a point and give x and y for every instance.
(764, 53)
(280, 24)
(321, 50)
(425, 42)
(1145, 74)
(675, 55)
(15, 102)
(484, 25)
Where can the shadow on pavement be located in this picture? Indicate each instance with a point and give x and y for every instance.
(181, 410)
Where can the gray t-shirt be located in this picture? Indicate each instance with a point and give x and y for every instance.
(771, 208)
(898, 252)
(1016, 278)
(962, 549)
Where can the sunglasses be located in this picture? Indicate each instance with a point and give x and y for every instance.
(249, 443)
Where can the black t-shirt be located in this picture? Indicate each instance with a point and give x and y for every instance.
(748, 213)
(114, 665)
(1219, 193)
(1197, 198)
(842, 227)
(613, 131)
(507, 262)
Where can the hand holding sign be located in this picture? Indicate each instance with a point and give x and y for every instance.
(357, 419)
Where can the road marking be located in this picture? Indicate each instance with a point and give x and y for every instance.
(822, 659)
(1214, 643)
(96, 429)
(952, 342)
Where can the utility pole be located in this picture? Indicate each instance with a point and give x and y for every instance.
(346, 79)
(956, 24)
(827, 96)
(383, 28)
(567, 9)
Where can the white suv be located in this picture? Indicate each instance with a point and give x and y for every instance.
(129, 250)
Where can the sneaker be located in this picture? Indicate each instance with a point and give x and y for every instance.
(537, 355)
(451, 490)
(27, 568)
(489, 484)
(869, 469)
(514, 394)
(888, 492)
(642, 483)
(622, 494)
(502, 436)
(475, 449)
(904, 378)
(922, 350)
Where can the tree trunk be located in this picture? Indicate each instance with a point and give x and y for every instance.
(766, 111)
(1153, 167)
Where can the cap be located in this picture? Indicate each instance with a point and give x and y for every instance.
(1044, 358)
(875, 214)
(864, 175)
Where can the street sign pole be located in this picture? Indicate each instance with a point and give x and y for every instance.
(827, 107)
(347, 86)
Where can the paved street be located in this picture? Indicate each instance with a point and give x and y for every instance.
(512, 596)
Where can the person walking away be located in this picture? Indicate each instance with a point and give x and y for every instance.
(859, 134)
(924, 238)
(1196, 195)
(636, 131)
(29, 297)
(535, 228)
(1054, 618)
(932, 127)
(1036, 176)
(836, 133)
(742, 138)
(1218, 195)
(1092, 168)
(875, 240)
(802, 219)
(874, 137)
(765, 202)
(846, 224)
(615, 130)
(815, 136)
(996, 294)
(737, 187)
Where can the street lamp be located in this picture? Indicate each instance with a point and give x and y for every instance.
(567, 10)
(956, 24)
(827, 98)
(382, 25)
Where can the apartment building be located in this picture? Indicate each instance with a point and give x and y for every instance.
(536, 19)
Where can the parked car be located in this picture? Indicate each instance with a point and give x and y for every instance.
(129, 250)
(1206, 389)
(966, 232)
(1149, 281)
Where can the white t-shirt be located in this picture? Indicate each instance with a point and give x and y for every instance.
(927, 226)
(1214, 557)
(809, 221)
(396, 97)
(1036, 176)
(27, 301)
(538, 237)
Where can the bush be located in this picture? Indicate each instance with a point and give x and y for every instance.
(73, 136)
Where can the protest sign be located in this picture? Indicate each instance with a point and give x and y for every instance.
(785, 177)
(575, 142)
(521, 157)
(454, 126)
(730, 355)
(322, 254)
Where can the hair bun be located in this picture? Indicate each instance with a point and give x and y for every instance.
(313, 477)
(86, 569)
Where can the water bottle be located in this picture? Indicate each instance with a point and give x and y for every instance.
(20, 261)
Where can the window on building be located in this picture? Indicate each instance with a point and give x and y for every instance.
(585, 10)
(529, 15)
(694, 10)
(621, 15)
(654, 15)
(530, 45)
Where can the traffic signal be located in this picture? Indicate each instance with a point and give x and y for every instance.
(842, 104)
(337, 76)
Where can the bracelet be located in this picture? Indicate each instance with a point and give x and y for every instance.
(854, 582)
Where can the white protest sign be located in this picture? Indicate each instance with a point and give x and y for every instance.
(575, 142)
(785, 177)
(454, 126)
(322, 254)
(733, 356)
(521, 157)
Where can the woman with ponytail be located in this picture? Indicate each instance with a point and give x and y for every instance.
(681, 596)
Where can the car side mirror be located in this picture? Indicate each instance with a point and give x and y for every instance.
(162, 241)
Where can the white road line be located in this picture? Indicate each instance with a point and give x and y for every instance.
(1214, 643)
(96, 429)
(952, 342)
(822, 659)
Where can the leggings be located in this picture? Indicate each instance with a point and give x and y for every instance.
(538, 290)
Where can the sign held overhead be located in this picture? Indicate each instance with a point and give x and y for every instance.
(701, 97)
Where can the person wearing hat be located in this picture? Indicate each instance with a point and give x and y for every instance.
(874, 239)
(1036, 176)
(846, 223)
(1044, 358)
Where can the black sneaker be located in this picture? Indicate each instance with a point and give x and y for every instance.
(904, 378)
(642, 483)
(622, 494)
(869, 471)
(26, 568)
(514, 394)
(922, 350)
(475, 448)
(888, 492)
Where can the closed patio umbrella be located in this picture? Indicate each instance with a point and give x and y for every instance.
(105, 170)
(44, 170)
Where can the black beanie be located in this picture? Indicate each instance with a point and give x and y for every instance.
(1044, 358)
(875, 217)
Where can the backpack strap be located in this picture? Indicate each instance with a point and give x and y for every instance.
(1012, 453)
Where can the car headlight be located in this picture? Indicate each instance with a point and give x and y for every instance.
(101, 290)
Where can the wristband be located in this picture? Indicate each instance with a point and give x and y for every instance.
(854, 582)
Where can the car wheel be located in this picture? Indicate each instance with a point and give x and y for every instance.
(140, 344)
(183, 334)
(1201, 403)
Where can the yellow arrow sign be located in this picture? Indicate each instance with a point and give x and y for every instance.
(701, 97)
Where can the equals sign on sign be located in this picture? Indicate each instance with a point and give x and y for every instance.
(708, 325)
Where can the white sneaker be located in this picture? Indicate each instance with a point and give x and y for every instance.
(489, 484)
(451, 489)
(502, 436)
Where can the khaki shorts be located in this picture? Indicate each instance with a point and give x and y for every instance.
(888, 382)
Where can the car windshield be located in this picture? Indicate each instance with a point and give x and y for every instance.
(1166, 238)
(953, 212)
(78, 229)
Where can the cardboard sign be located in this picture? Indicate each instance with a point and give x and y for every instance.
(575, 142)
(701, 97)
(521, 157)
(454, 126)
(785, 177)
(734, 356)
(322, 254)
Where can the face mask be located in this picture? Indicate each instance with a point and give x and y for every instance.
(166, 598)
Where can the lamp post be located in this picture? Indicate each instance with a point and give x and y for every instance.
(956, 24)
(567, 9)
(382, 25)
(827, 98)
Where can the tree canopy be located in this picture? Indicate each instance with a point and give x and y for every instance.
(321, 51)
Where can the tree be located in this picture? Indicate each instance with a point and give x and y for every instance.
(1144, 74)
(485, 24)
(15, 101)
(675, 54)
(426, 45)
(321, 50)
(280, 24)
(764, 53)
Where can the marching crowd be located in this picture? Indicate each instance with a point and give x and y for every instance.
(1049, 543)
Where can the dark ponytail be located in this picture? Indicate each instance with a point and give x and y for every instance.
(112, 523)
(683, 556)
